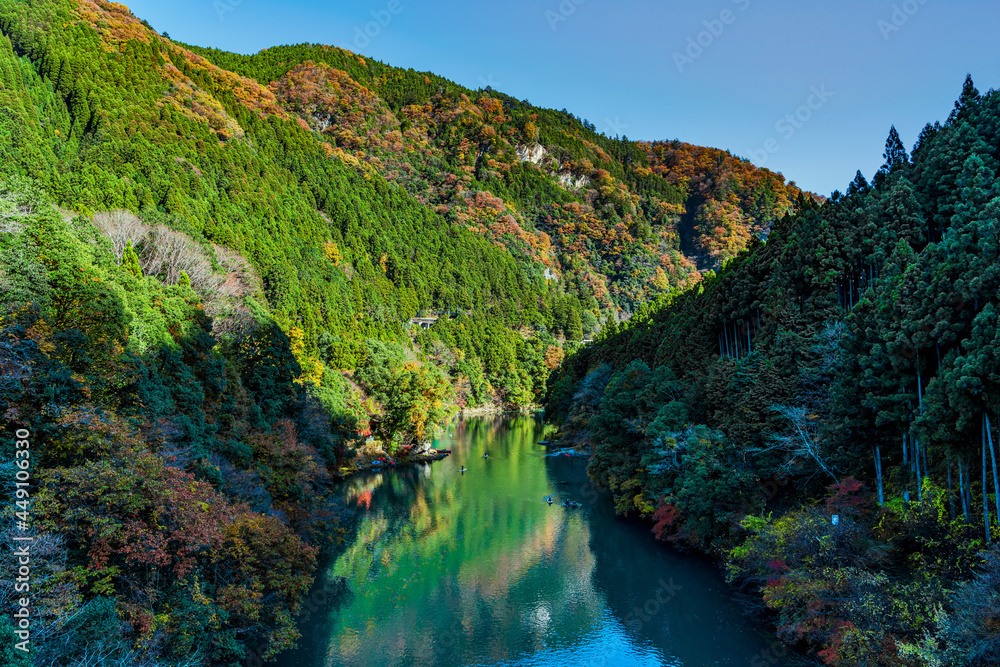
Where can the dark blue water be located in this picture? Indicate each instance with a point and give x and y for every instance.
(477, 569)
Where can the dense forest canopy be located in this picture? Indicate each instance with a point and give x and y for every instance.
(362, 195)
(208, 267)
(853, 357)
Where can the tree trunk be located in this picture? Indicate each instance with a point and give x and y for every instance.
(916, 459)
(968, 493)
(878, 474)
(963, 492)
(993, 457)
(951, 493)
(986, 495)
(906, 464)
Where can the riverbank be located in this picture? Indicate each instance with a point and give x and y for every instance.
(495, 410)
(477, 568)
(795, 561)
(381, 461)
(384, 463)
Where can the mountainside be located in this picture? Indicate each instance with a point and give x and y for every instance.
(851, 357)
(209, 264)
(176, 483)
(362, 195)
(630, 218)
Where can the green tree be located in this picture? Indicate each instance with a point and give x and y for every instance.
(130, 261)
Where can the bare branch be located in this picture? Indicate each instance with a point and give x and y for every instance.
(166, 253)
(799, 443)
(120, 227)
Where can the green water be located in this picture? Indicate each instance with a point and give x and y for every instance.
(460, 569)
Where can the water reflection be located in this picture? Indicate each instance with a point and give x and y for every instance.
(448, 568)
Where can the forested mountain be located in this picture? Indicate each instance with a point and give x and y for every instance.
(208, 263)
(851, 357)
(176, 480)
(362, 195)
(617, 220)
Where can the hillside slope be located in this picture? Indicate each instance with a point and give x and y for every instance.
(209, 263)
(629, 218)
(363, 195)
(851, 357)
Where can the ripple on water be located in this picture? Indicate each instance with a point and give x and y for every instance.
(453, 570)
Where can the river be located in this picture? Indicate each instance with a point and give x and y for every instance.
(454, 569)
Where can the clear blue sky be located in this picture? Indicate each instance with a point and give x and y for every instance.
(863, 65)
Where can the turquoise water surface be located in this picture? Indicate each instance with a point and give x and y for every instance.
(445, 568)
